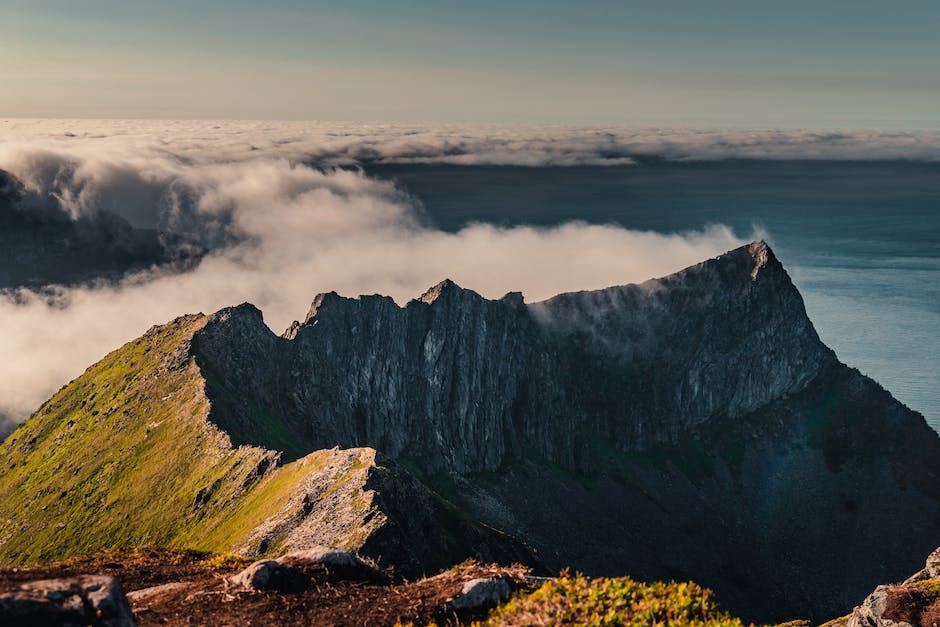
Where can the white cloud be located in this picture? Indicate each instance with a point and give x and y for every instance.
(297, 231)
(339, 143)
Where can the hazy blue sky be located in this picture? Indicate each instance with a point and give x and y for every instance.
(670, 62)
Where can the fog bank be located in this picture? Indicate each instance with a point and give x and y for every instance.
(280, 231)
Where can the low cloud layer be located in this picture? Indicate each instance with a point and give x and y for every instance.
(338, 143)
(284, 231)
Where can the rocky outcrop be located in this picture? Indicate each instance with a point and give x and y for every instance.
(871, 613)
(295, 570)
(931, 569)
(482, 594)
(95, 600)
(465, 384)
(127, 456)
(914, 603)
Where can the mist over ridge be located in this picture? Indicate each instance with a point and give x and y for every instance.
(277, 230)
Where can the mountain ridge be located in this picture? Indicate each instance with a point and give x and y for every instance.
(609, 334)
(130, 440)
(692, 426)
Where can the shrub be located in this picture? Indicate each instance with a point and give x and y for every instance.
(578, 600)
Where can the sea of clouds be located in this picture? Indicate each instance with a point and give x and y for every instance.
(284, 217)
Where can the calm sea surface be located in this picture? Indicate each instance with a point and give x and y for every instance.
(861, 240)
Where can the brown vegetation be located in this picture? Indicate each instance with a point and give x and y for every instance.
(206, 597)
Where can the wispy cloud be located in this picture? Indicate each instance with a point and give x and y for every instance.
(289, 230)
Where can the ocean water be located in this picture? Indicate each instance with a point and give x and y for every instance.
(861, 240)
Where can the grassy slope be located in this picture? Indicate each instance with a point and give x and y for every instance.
(125, 455)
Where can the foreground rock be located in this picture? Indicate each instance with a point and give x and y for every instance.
(294, 571)
(931, 569)
(96, 600)
(184, 588)
(482, 594)
(914, 603)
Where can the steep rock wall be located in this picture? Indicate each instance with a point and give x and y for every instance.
(466, 384)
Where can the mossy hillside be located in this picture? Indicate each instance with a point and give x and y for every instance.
(321, 496)
(247, 422)
(131, 454)
(230, 526)
(126, 455)
(118, 456)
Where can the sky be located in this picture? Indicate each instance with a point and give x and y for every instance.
(861, 63)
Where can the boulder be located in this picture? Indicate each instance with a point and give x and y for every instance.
(256, 576)
(336, 562)
(97, 600)
(869, 613)
(481, 594)
(156, 593)
(933, 564)
(295, 570)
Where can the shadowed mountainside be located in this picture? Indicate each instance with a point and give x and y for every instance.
(40, 244)
(126, 455)
(690, 427)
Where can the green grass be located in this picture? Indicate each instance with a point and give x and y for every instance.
(440, 483)
(578, 600)
(247, 422)
(126, 456)
(273, 493)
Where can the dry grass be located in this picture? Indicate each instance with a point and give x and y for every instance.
(916, 603)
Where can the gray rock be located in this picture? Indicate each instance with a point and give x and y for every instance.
(155, 592)
(335, 561)
(97, 600)
(256, 576)
(870, 612)
(468, 384)
(933, 564)
(481, 594)
(930, 571)
(294, 570)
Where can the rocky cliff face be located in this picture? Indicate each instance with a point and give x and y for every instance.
(125, 456)
(465, 384)
(691, 427)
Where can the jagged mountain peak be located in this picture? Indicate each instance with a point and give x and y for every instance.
(693, 425)
(741, 263)
(244, 310)
(445, 289)
(318, 302)
(756, 257)
(762, 255)
(697, 329)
